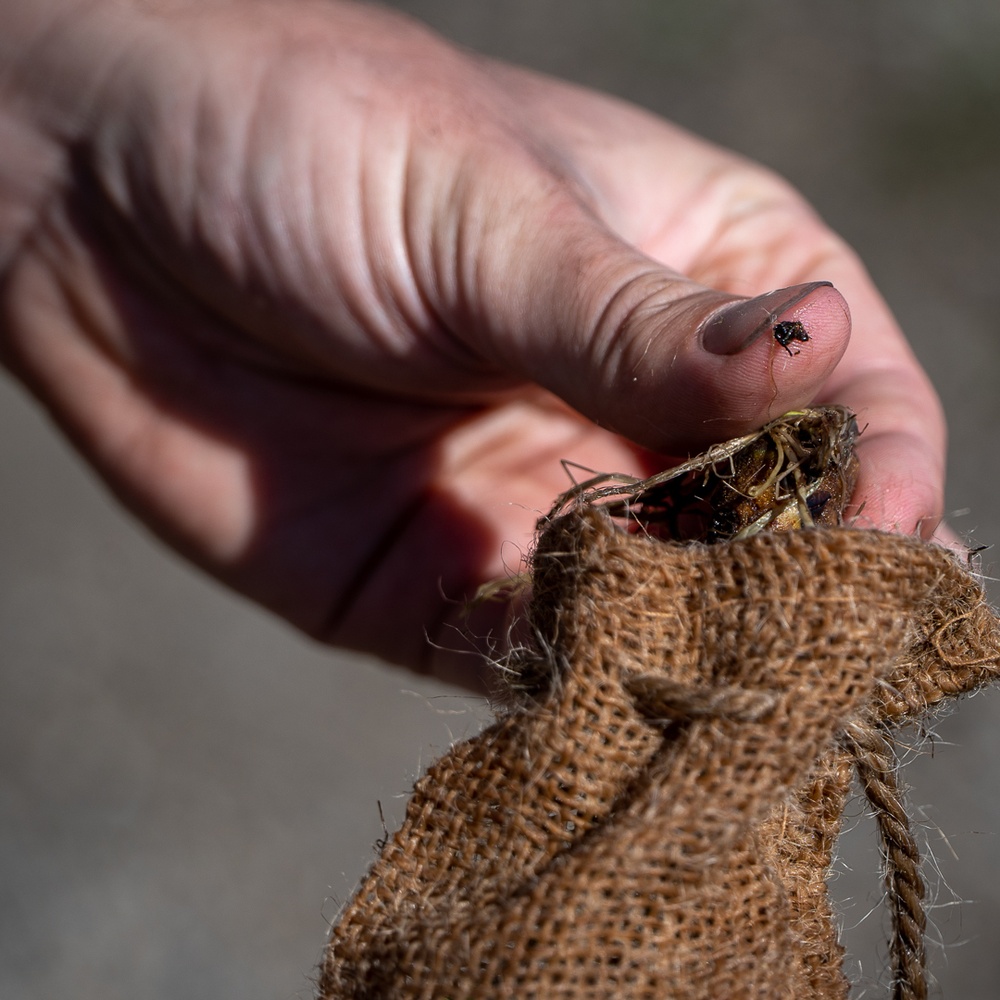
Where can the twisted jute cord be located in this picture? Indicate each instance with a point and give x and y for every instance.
(877, 768)
(663, 700)
(660, 699)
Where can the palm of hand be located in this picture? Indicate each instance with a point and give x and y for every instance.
(293, 335)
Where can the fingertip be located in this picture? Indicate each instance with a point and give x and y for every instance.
(671, 364)
(899, 487)
(694, 381)
(791, 316)
(782, 348)
(825, 314)
(792, 340)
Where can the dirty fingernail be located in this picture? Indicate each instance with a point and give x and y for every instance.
(735, 327)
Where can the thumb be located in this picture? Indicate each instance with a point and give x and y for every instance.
(643, 351)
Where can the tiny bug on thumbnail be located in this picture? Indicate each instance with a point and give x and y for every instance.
(787, 331)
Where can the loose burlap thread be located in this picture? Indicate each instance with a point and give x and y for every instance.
(657, 818)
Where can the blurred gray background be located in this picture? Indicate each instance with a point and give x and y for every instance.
(188, 790)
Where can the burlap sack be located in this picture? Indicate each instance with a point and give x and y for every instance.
(656, 820)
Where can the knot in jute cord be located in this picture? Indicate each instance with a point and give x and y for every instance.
(660, 699)
(656, 819)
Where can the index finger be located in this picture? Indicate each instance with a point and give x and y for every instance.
(903, 443)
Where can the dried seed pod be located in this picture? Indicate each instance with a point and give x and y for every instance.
(795, 472)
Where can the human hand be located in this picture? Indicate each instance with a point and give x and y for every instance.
(325, 301)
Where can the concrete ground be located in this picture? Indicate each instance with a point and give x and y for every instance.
(188, 790)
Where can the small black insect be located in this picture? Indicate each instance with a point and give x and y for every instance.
(787, 331)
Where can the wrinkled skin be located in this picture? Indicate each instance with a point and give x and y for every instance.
(326, 301)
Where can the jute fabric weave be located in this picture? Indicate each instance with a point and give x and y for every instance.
(656, 819)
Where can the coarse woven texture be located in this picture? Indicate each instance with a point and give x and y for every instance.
(657, 818)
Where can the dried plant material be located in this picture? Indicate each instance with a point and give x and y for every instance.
(797, 471)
